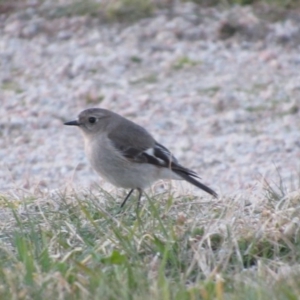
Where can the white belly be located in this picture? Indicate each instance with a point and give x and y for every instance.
(116, 169)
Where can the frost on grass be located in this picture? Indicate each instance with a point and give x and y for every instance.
(74, 243)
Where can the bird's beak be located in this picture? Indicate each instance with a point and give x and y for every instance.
(73, 123)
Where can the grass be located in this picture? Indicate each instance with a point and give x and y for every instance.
(278, 3)
(147, 79)
(127, 11)
(184, 62)
(11, 86)
(78, 246)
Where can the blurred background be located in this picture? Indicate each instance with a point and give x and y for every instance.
(217, 82)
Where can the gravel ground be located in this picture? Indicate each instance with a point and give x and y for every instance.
(219, 88)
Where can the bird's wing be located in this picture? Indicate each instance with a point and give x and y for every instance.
(140, 147)
(159, 156)
(136, 138)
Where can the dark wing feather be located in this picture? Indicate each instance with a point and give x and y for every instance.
(171, 162)
(137, 138)
(161, 157)
(139, 156)
(197, 183)
(127, 142)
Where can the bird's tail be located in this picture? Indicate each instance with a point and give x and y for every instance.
(189, 178)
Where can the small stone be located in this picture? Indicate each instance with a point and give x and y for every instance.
(64, 35)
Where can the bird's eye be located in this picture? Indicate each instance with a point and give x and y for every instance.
(92, 120)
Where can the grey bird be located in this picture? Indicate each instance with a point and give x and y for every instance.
(127, 155)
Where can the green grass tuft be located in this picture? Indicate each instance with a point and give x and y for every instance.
(75, 247)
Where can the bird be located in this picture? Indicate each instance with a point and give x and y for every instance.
(127, 155)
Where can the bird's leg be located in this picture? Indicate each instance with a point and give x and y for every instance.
(139, 198)
(126, 198)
